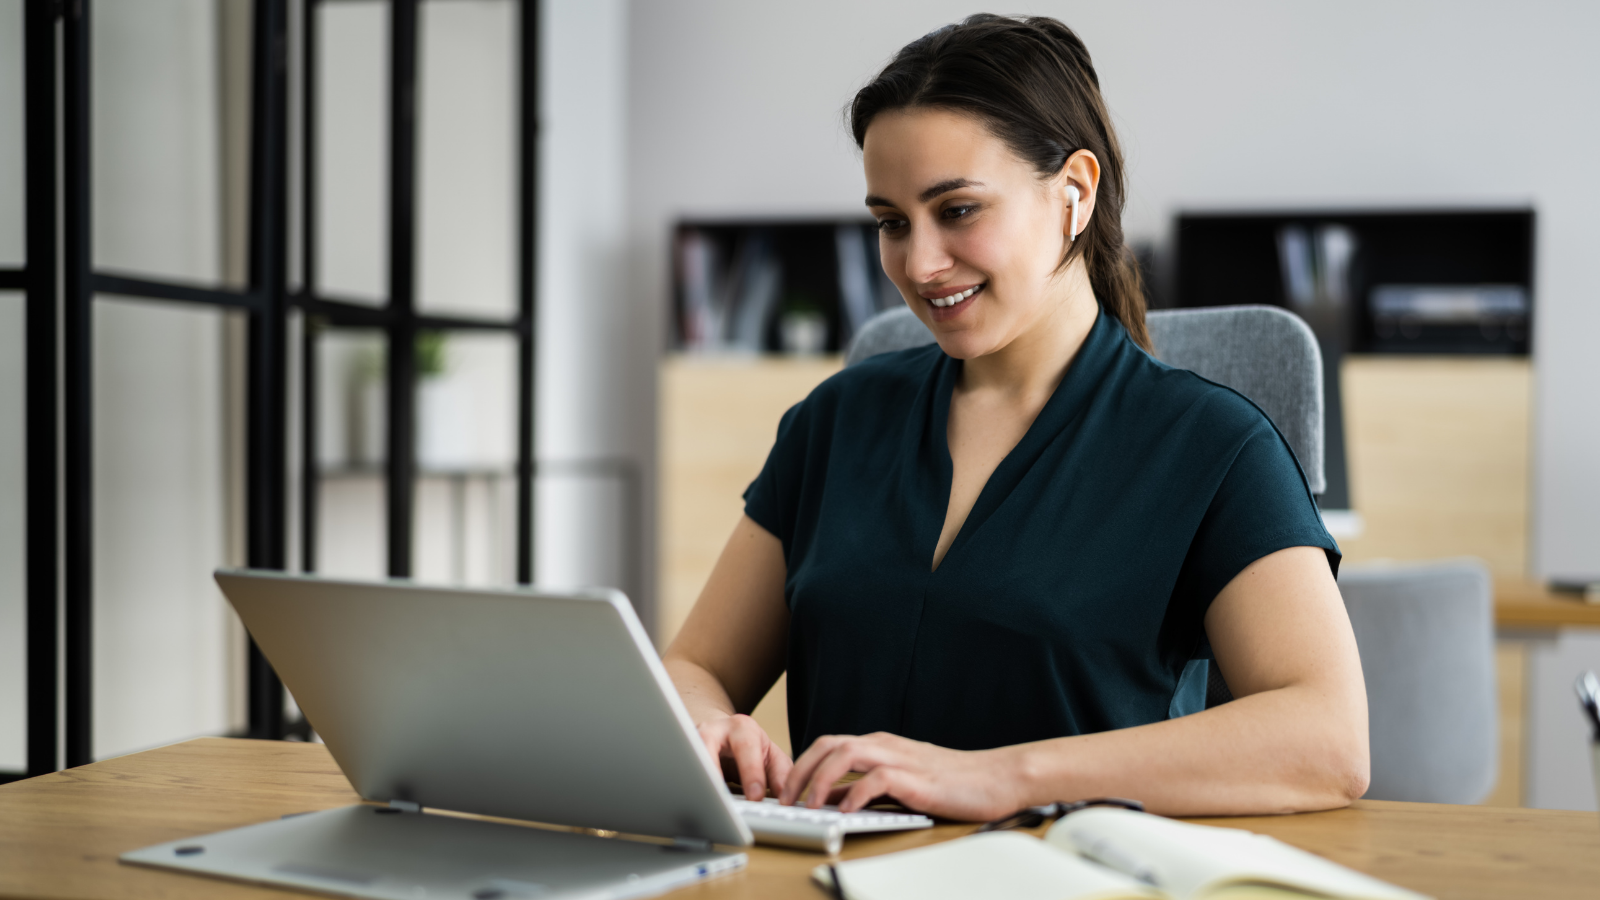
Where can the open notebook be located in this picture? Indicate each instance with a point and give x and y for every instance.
(1108, 854)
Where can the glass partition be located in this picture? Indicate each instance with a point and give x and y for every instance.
(465, 524)
(13, 574)
(11, 135)
(165, 665)
(352, 156)
(466, 158)
(156, 146)
(352, 439)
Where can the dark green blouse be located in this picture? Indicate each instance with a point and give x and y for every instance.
(1072, 600)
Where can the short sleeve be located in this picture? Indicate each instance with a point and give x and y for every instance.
(771, 499)
(1263, 505)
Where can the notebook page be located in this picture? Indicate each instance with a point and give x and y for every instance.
(1000, 865)
(1189, 861)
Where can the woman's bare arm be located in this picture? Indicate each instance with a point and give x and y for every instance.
(1294, 739)
(731, 651)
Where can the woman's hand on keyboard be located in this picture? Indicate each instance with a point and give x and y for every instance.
(955, 784)
(741, 741)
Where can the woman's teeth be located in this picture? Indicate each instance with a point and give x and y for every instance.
(953, 299)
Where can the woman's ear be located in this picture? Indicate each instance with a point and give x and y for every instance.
(1082, 173)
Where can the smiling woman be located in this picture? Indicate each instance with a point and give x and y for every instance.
(1031, 85)
(998, 568)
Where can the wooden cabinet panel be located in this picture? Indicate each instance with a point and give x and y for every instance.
(1438, 454)
(718, 420)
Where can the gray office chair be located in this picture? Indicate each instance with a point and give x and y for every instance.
(1265, 353)
(1426, 636)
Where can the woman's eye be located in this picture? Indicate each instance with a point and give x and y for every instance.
(889, 226)
(956, 212)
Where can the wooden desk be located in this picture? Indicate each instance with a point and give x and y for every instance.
(60, 834)
(1530, 605)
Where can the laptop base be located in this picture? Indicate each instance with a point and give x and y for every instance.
(383, 853)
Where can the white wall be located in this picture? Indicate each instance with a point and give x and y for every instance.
(597, 347)
(735, 110)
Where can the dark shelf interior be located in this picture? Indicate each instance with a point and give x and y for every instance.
(806, 253)
(1234, 258)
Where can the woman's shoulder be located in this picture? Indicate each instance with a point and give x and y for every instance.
(1179, 395)
(886, 378)
(859, 406)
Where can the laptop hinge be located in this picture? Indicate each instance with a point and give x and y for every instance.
(409, 806)
(698, 845)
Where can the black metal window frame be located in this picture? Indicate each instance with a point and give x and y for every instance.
(59, 501)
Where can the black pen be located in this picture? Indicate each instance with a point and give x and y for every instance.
(838, 886)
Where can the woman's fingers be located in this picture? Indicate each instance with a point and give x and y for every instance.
(839, 757)
(869, 787)
(844, 759)
(800, 774)
(714, 736)
(778, 766)
(748, 745)
(935, 780)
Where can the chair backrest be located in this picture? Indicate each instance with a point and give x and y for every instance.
(1426, 636)
(1265, 353)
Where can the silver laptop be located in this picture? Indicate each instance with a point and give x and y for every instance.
(543, 707)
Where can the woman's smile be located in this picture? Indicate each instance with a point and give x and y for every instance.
(950, 302)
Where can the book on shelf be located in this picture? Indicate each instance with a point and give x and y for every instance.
(1107, 854)
(744, 287)
(753, 292)
(700, 266)
(858, 298)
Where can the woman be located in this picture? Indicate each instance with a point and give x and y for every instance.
(988, 564)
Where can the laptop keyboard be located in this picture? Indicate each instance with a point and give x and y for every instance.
(818, 829)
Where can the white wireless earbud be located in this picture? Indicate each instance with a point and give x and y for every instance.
(1072, 191)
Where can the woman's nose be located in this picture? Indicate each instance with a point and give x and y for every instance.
(926, 255)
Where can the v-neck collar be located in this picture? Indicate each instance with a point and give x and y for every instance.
(1069, 400)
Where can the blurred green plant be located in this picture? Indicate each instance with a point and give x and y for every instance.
(432, 357)
(800, 302)
(431, 353)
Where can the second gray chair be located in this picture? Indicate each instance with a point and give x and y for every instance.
(1426, 636)
(1265, 353)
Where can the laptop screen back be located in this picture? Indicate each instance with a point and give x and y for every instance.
(538, 706)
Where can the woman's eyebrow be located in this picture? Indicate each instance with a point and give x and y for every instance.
(943, 187)
(946, 186)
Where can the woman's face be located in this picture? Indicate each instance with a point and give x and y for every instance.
(969, 233)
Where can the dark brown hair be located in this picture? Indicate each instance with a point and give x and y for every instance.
(1031, 82)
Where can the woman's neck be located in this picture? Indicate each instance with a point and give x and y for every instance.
(1029, 368)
